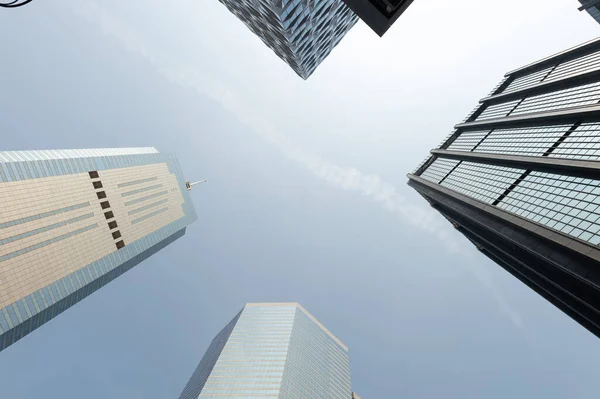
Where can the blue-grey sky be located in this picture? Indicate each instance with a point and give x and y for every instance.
(307, 198)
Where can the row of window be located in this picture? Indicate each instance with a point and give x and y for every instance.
(27, 314)
(582, 95)
(567, 141)
(565, 69)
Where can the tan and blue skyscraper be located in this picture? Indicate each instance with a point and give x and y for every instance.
(273, 350)
(73, 220)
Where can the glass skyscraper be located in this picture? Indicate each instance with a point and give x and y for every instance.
(73, 220)
(592, 7)
(520, 178)
(301, 32)
(272, 350)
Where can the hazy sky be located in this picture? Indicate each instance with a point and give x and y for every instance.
(306, 198)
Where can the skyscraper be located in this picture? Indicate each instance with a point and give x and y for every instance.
(520, 178)
(301, 32)
(73, 220)
(592, 7)
(272, 350)
(379, 15)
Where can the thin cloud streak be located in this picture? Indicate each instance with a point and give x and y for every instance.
(345, 178)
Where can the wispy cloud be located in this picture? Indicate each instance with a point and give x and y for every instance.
(345, 178)
(351, 179)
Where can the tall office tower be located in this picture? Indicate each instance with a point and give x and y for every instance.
(301, 32)
(272, 350)
(592, 7)
(520, 178)
(379, 15)
(73, 220)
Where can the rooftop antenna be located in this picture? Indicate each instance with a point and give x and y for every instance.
(189, 185)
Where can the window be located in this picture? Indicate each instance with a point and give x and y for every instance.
(101, 194)
(109, 215)
(116, 234)
(105, 205)
(93, 174)
(97, 184)
(112, 225)
(120, 244)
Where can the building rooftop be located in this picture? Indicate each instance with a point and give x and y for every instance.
(310, 316)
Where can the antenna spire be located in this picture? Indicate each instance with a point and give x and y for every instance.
(189, 185)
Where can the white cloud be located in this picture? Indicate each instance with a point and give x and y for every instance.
(346, 178)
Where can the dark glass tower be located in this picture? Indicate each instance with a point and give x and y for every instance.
(301, 32)
(380, 15)
(592, 7)
(520, 178)
(272, 350)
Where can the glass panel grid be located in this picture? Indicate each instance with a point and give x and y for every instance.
(582, 143)
(302, 32)
(19, 156)
(498, 110)
(468, 140)
(252, 362)
(564, 203)
(528, 141)
(573, 97)
(594, 11)
(498, 86)
(579, 65)
(482, 182)
(439, 169)
(528, 80)
(447, 138)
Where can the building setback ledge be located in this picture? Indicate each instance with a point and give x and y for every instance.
(563, 166)
(590, 113)
(544, 87)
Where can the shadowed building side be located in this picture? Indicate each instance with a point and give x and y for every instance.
(379, 15)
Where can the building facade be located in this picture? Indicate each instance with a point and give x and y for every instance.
(592, 7)
(73, 220)
(301, 32)
(272, 350)
(520, 178)
(379, 15)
